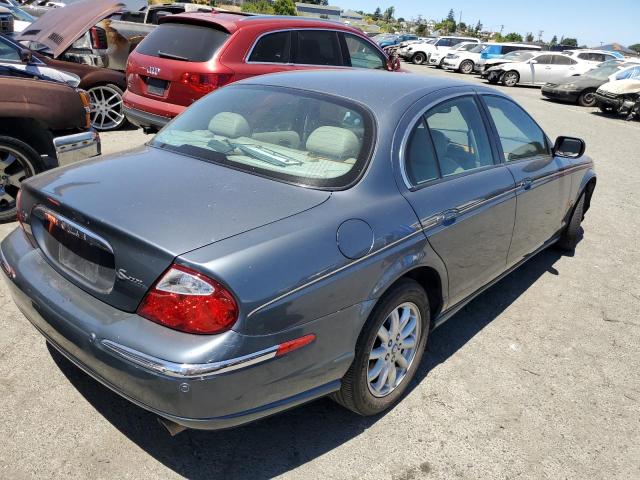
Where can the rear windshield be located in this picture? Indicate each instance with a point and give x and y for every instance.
(288, 135)
(179, 41)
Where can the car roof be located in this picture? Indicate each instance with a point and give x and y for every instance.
(383, 91)
(231, 22)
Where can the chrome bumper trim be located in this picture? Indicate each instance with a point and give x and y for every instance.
(188, 370)
(76, 147)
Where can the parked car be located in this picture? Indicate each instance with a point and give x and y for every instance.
(165, 77)
(391, 43)
(225, 317)
(21, 19)
(37, 8)
(594, 57)
(439, 56)
(495, 52)
(403, 47)
(482, 66)
(538, 70)
(105, 87)
(619, 97)
(419, 53)
(463, 60)
(43, 124)
(153, 13)
(581, 89)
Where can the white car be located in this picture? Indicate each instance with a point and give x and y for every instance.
(539, 69)
(419, 53)
(439, 56)
(594, 57)
(463, 60)
(21, 19)
(406, 48)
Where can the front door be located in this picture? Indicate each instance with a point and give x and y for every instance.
(464, 199)
(542, 188)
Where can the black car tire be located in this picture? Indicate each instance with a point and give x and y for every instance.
(27, 160)
(354, 393)
(569, 238)
(510, 79)
(466, 67)
(587, 98)
(419, 58)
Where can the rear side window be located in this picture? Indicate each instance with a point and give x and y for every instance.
(362, 54)
(563, 60)
(193, 43)
(492, 49)
(421, 164)
(545, 59)
(519, 135)
(272, 48)
(318, 47)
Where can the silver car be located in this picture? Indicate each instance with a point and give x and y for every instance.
(538, 70)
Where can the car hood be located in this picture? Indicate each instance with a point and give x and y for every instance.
(505, 65)
(58, 28)
(620, 87)
(582, 81)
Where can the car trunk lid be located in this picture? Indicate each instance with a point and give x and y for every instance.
(58, 28)
(113, 225)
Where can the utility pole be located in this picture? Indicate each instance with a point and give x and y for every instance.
(540, 36)
(501, 29)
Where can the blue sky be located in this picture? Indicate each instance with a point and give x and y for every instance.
(590, 21)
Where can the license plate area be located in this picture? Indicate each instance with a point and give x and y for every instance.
(156, 86)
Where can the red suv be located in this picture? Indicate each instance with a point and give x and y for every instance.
(190, 55)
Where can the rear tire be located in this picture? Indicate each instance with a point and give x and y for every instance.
(107, 108)
(587, 98)
(419, 58)
(510, 79)
(18, 161)
(396, 366)
(466, 67)
(569, 238)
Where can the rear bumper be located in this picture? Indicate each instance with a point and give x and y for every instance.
(81, 327)
(148, 112)
(145, 120)
(76, 147)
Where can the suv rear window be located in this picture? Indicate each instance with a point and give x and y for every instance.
(285, 134)
(180, 41)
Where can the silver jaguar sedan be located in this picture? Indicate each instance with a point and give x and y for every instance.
(288, 237)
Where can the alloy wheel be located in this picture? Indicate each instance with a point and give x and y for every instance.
(106, 108)
(394, 349)
(466, 67)
(14, 168)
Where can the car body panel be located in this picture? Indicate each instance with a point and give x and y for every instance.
(290, 275)
(531, 73)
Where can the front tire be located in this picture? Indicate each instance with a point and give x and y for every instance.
(466, 67)
(419, 58)
(18, 161)
(587, 98)
(510, 79)
(569, 238)
(388, 351)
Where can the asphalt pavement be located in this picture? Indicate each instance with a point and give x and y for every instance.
(539, 377)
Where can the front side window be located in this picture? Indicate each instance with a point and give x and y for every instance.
(272, 48)
(362, 54)
(519, 135)
(544, 59)
(286, 135)
(318, 47)
(459, 136)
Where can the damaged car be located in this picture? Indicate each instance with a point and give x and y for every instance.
(620, 97)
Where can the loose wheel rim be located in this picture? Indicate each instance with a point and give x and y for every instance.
(14, 169)
(106, 108)
(394, 349)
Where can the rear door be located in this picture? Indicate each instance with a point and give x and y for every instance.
(270, 53)
(464, 199)
(317, 48)
(561, 67)
(540, 71)
(542, 186)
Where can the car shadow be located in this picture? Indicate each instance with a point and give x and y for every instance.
(283, 442)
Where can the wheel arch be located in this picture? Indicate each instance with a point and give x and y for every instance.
(31, 132)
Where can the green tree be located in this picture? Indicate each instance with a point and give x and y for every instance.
(377, 14)
(452, 16)
(512, 37)
(259, 6)
(401, 20)
(573, 42)
(635, 47)
(529, 37)
(554, 40)
(284, 7)
(478, 28)
(462, 27)
(388, 13)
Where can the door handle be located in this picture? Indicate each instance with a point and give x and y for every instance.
(449, 217)
(526, 184)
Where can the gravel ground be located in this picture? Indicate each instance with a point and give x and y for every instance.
(536, 378)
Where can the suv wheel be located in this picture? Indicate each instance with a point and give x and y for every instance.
(388, 351)
(419, 58)
(107, 112)
(18, 161)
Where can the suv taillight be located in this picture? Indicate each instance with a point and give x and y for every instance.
(205, 82)
(98, 38)
(186, 300)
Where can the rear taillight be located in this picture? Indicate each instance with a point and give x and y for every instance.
(186, 300)
(98, 38)
(205, 82)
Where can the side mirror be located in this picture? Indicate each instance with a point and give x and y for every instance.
(393, 63)
(533, 62)
(25, 55)
(569, 147)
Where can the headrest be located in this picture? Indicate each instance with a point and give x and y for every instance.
(334, 142)
(228, 124)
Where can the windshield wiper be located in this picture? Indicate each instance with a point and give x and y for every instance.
(171, 56)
